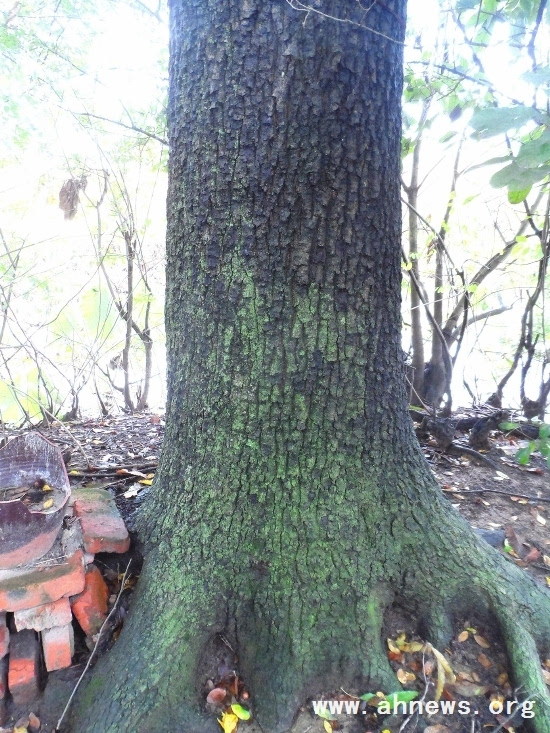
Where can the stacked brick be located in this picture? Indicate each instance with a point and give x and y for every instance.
(38, 602)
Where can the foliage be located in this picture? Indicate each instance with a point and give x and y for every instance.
(541, 444)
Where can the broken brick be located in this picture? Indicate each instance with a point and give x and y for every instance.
(90, 606)
(102, 526)
(58, 646)
(4, 636)
(24, 667)
(43, 585)
(45, 616)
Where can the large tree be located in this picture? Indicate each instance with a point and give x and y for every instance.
(292, 505)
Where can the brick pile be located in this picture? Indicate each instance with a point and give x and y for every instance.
(38, 601)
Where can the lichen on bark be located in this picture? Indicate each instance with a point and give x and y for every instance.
(292, 505)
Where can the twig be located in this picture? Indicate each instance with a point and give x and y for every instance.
(73, 693)
(499, 491)
(302, 7)
(127, 127)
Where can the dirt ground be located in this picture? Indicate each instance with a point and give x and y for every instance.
(510, 506)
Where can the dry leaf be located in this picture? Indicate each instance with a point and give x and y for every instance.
(392, 646)
(484, 661)
(327, 726)
(216, 696)
(546, 675)
(47, 504)
(482, 641)
(469, 689)
(444, 671)
(437, 729)
(146, 481)
(429, 665)
(532, 555)
(463, 636)
(405, 677)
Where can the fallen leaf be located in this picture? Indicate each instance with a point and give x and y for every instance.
(240, 712)
(132, 491)
(546, 675)
(532, 555)
(429, 665)
(437, 729)
(327, 726)
(47, 504)
(484, 661)
(146, 481)
(216, 696)
(444, 671)
(405, 677)
(392, 646)
(228, 722)
(482, 641)
(463, 636)
(469, 689)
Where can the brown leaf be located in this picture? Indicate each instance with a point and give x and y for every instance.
(216, 696)
(532, 555)
(484, 661)
(482, 641)
(469, 689)
(405, 677)
(437, 729)
(463, 636)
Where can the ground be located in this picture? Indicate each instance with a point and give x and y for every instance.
(121, 453)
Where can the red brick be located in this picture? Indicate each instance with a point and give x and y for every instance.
(4, 636)
(44, 585)
(90, 606)
(24, 667)
(102, 526)
(44, 617)
(58, 646)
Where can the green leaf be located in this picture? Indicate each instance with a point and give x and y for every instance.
(508, 425)
(516, 197)
(544, 431)
(517, 178)
(462, 5)
(401, 696)
(448, 136)
(544, 448)
(322, 714)
(496, 120)
(367, 696)
(523, 456)
(240, 712)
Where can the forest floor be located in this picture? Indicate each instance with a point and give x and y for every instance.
(510, 506)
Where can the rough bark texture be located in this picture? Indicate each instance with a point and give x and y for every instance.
(292, 502)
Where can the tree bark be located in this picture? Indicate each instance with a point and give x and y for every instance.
(292, 503)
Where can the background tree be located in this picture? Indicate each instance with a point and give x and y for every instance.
(292, 504)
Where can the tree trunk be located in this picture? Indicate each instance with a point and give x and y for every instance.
(292, 503)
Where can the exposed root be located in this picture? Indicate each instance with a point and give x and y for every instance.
(526, 669)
